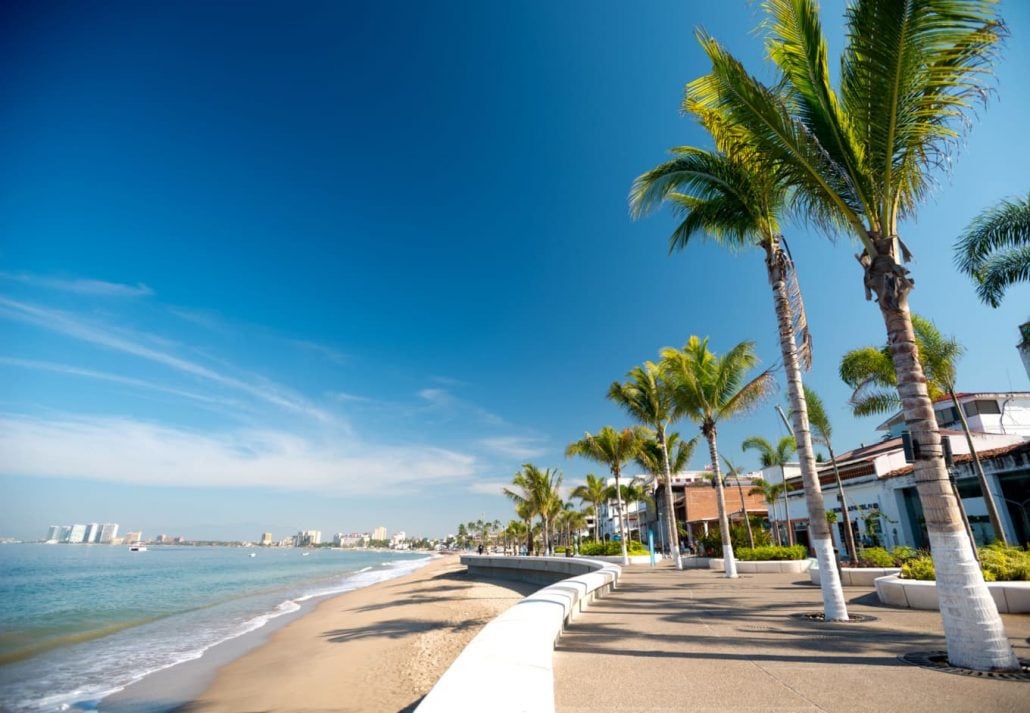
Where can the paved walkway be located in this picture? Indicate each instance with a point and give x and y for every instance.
(695, 641)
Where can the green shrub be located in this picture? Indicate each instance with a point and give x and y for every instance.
(903, 554)
(875, 557)
(919, 568)
(998, 562)
(710, 545)
(559, 549)
(611, 549)
(771, 552)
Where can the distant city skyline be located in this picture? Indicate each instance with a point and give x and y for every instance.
(258, 274)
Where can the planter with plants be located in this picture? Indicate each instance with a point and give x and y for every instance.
(612, 552)
(1006, 570)
(872, 563)
(768, 559)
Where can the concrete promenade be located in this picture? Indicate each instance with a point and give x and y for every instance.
(692, 640)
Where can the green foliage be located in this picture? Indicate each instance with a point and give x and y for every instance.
(1000, 563)
(710, 545)
(771, 552)
(875, 557)
(611, 549)
(879, 557)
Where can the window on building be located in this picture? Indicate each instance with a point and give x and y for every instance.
(981, 406)
(946, 416)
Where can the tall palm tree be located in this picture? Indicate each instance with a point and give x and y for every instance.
(777, 456)
(861, 160)
(870, 372)
(735, 197)
(822, 433)
(707, 388)
(680, 452)
(595, 492)
(652, 458)
(995, 249)
(735, 472)
(635, 491)
(646, 397)
(614, 449)
(771, 492)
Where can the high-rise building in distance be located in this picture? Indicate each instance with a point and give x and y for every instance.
(92, 533)
(108, 531)
(77, 533)
(54, 534)
(266, 539)
(379, 533)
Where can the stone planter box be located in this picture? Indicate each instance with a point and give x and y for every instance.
(766, 567)
(856, 576)
(617, 559)
(1011, 597)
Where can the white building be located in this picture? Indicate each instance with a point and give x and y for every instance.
(92, 533)
(77, 533)
(108, 532)
(54, 534)
(307, 538)
(883, 503)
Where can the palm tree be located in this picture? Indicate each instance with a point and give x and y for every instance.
(513, 534)
(771, 492)
(636, 491)
(614, 449)
(776, 457)
(707, 388)
(995, 249)
(646, 398)
(861, 160)
(870, 372)
(653, 458)
(822, 433)
(537, 495)
(594, 491)
(735, 197)
(735, 472)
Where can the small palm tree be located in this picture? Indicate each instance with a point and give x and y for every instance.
(653, 459)
(680, 453)
(775, 456)
(707, 388)
(647, 398)
(771, 492)
(594, 491)
(995, 249)
(822, 433)
(536, 494)
(636, 491)
(870, 372)
(614, 449)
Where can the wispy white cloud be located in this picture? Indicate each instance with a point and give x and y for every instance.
(70, 370)
(489, 487)
(133, 343)
(205, 318)
(80, 286)
(328, 353)
(444, 402)
(344, 396)
(515, 446)
(129, 451)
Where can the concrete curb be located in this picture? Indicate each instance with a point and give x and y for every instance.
(764, 567)
(856, 576)
(508, 666)
(1010, 597)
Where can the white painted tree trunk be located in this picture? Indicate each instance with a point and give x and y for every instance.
(622, 516)
(972, 626)
(672, 536)
(834, 608)
(729, 562)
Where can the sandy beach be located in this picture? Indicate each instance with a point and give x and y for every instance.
(375, 649)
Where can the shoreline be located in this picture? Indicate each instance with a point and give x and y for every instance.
(381, 647)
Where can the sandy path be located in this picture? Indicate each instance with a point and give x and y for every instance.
(376, 649)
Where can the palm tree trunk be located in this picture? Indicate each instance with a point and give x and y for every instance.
(622, 515)
(834, 608)
(786, 508)
(672, 536)
(597, 521)
(747, 520)
(729, 563)
(973, 629)
(849, 535)
(992, 508)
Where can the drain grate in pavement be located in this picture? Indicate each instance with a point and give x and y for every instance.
(821, 618)
(938, 660)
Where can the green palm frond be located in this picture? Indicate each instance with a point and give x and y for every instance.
(823, 189)
(822, 429)
(995, 249)
(875, 401)
(770, 455)
(912, 69)
(643, 395)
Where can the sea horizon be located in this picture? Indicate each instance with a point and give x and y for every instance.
(81, 623)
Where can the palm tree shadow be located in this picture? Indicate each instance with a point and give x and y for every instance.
(398, 629)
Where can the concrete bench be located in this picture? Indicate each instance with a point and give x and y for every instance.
(507, 667)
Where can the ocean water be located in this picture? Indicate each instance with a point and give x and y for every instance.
(79, 622)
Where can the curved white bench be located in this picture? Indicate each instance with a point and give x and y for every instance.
(892, 590)
(764, 566)
(856, 576)
(507, 667)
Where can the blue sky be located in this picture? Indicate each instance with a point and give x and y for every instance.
(337, 266)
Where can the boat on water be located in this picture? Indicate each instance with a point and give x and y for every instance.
(253, 554)
(138, 548)
(305, 554)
